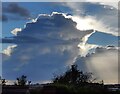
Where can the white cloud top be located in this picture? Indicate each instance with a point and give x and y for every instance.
(9, 50)
(16, 30)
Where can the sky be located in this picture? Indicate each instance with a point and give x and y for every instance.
(42, 39)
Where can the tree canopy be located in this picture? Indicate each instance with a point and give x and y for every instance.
(73, 76)
(22, 80)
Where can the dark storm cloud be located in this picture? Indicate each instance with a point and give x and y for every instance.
(11, 10)
(3, 18)
(14, 8)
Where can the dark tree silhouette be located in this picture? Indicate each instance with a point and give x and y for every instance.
(29, 82)
(22, 80)
(3, 81)
(73, 76)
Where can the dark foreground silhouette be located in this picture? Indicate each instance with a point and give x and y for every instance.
(72, 81)
(58, 89)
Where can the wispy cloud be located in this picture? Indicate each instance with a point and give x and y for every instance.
(103, 18)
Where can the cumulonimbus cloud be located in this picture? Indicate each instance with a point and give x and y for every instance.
(51, 42)
(57, 47)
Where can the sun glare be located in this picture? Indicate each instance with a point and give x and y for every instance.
(84, 23)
